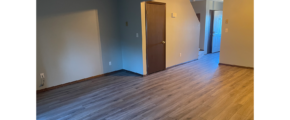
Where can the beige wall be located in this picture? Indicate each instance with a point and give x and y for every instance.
(182, 32)
(143, 24)
(76, 39)
(237, 45)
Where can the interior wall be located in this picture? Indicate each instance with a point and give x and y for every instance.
(76, 39)
(209, 6)
(182, 32)
(200, 7)
(132, 53)
(143, 24)
(204, 7)
(217, 5)
(237, 45)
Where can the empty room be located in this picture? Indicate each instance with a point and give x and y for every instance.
(134, 60)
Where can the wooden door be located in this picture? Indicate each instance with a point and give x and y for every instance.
(155, 36)
(217, 31)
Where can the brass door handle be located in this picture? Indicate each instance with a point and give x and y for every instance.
(163, 42)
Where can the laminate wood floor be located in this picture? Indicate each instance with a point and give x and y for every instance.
(199, 90)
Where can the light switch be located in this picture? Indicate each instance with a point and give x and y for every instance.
(174, 15)
(227, 30)
(227, 21)
(137, 35)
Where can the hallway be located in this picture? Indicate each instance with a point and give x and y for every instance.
(198, 90)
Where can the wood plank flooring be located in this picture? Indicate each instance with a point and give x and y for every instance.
(199, 90)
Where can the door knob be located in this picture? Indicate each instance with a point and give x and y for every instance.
(163, 42)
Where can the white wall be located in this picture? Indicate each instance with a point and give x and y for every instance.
(182, 32)
(76, 39)
(237, 45)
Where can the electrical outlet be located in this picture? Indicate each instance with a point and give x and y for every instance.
(110, 63)
(137, 35)
(41, 75)
(42, 79)
(179, 54)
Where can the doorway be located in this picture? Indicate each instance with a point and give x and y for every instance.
(215, 31)
(155, 36)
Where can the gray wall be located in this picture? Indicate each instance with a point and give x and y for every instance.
(204, 7)
(200, 7)
(76, 39)
(180, 39)
(216, 5)
(130, 10)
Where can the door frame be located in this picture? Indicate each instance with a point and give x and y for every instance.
(158, 3)
(209, 43)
